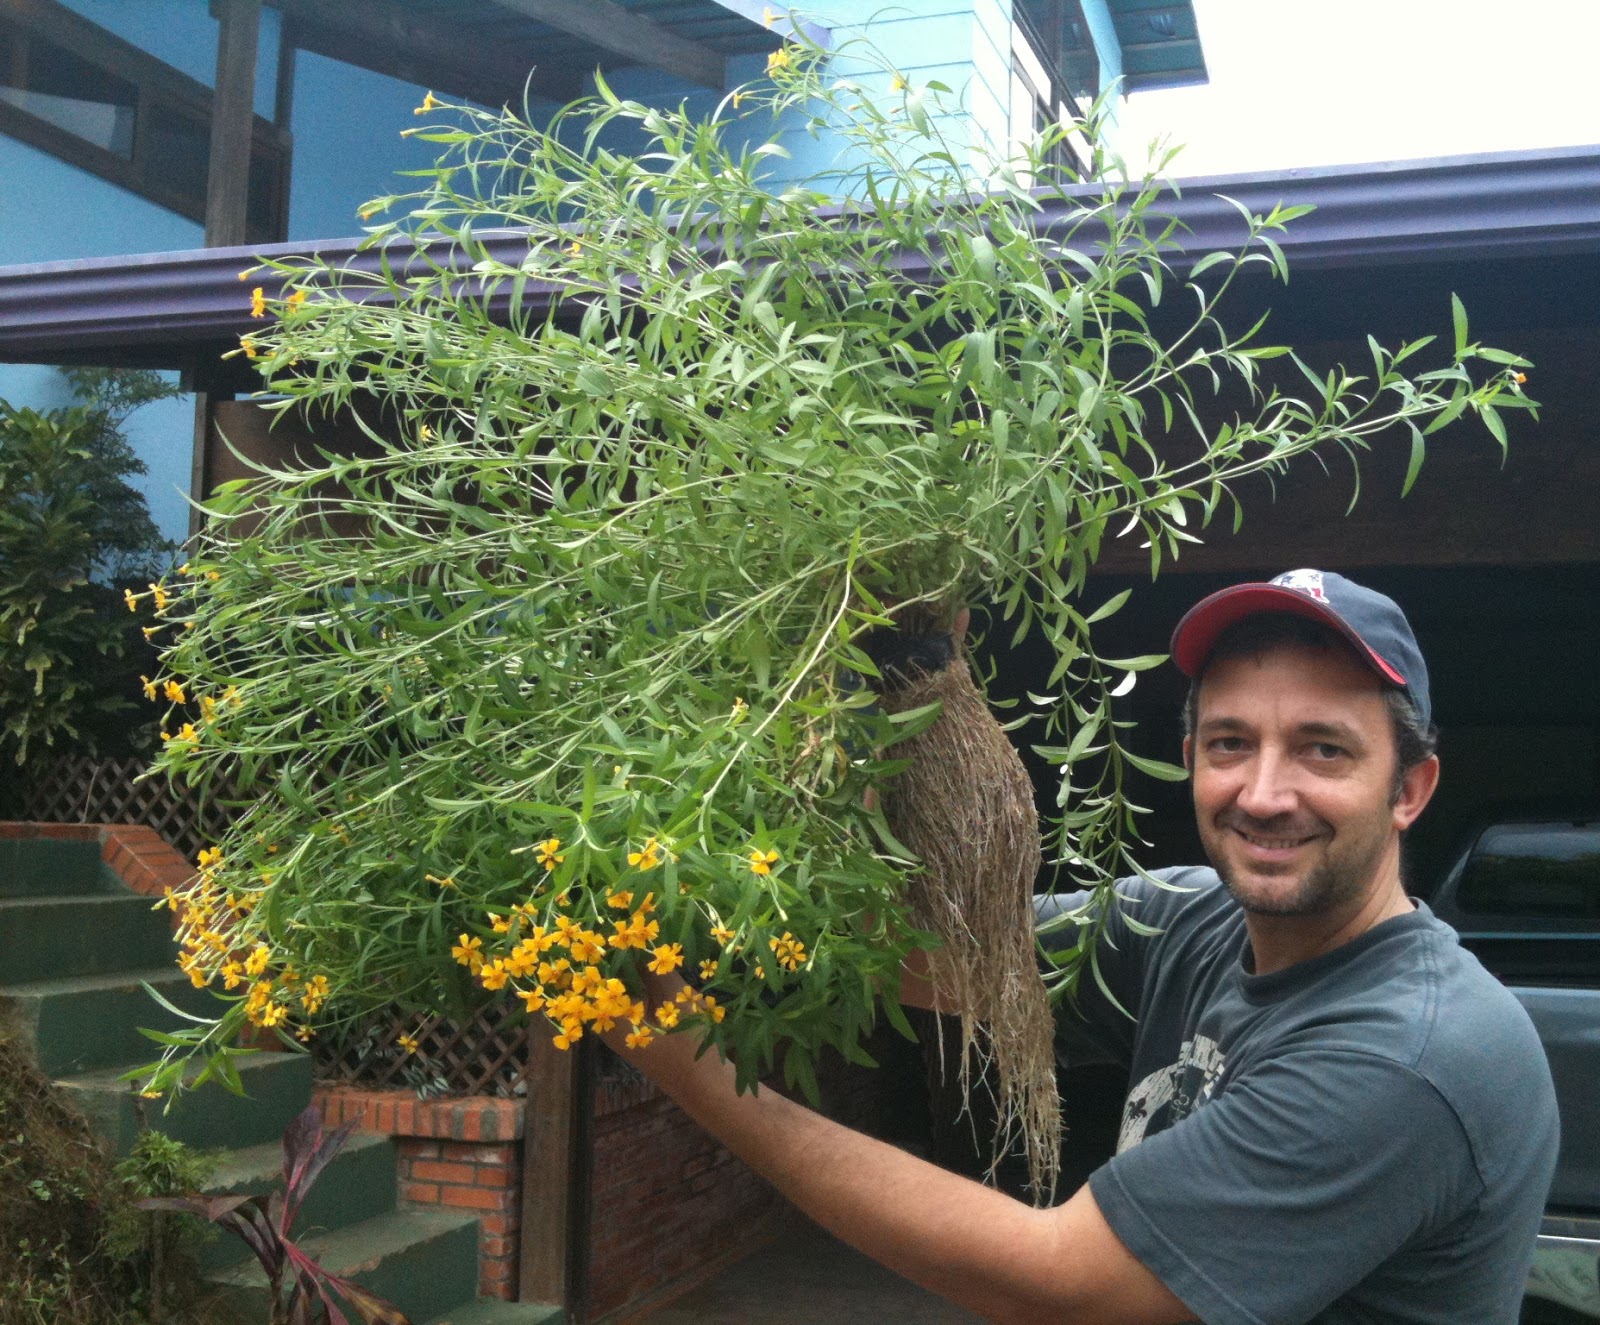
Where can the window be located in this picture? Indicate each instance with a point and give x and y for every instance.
(70, 88)
(1550, 870)
(1039, 95)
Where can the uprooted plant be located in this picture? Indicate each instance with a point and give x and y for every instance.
(570, 667)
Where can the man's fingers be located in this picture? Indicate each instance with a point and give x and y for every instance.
(958, 630)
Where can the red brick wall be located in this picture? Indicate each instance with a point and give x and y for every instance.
(669, 1204)
(461, 1154)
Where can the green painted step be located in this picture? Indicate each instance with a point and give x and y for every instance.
(85, 1022)
(52, 867)
(359, 1183)
(52, 938)
(277, 1086)
(491, 1311)
(423, 1261)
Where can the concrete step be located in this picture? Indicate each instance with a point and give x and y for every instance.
(53, 867)
(424, 1261)
(83, 1022)
(53, 938)
(490, 1311)
(277, 1087)
(359, 1183)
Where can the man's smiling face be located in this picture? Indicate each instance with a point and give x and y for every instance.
(1293, 756)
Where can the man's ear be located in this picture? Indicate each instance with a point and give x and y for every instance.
(1188, 754)
(1416, 790)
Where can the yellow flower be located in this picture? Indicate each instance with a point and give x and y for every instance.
(247, 273)
(740, 708)
(622, 901)
(712, 1010)
(131, 599)
(666, 1016)
(708, 969)
(898, 83)
(174, 692)
(666, 958)
(634, 933)
(429, 102)
(641, 1038)
(150, 691)
(447, 882)
(249, 348)
(231, 696)
(779, 59)
(467, 953)
(425, 433)
(209, 858)
(273, 1014)
(208, 708)
(722, 934)
(232, 975)
(258, 302)
(737, 98)
(149, 632)
(408, 1043)
(647, 858)
(187, 733)
(588, 947)
(296, 299)
(532, 999)
(767, 16)
(1519, 378)
(315, 993)
(494, 975)
(574, 249)
(549, 852)
(499, 923)
(257, 961)
(761, 862)
(161, 596)
(790, 952)
(571, 1033)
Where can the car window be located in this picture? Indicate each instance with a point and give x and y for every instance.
(1549, 869)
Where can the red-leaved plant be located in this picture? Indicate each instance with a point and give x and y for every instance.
(303, 1292)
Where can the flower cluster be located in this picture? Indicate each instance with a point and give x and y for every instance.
(209, 920)
(568, 968)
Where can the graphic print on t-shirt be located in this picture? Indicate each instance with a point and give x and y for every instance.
(1171, 1093)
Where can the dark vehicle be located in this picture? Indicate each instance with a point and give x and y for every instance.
(1525, 897)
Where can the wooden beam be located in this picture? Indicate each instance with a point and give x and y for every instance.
(232, 122)
(637, 39)
(385, 39)
(554, 1218)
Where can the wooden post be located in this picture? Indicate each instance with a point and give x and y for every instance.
(232, 121)
(555, 1138)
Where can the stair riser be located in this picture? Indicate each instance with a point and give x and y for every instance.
(425, 1280)
(87, 936)
(210, 1118)
(358, 1184)
(81, 1031)
(40, 867)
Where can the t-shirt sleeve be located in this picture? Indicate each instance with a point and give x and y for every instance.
(1289, 1187)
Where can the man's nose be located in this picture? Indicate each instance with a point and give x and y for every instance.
(1268, 788)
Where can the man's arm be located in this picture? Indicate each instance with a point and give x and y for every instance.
(977, 1247)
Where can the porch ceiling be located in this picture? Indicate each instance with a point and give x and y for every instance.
(495, 51)
(184, 309)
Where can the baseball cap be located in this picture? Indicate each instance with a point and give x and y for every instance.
(1373, 623)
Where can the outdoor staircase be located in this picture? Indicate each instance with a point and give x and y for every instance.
(75, 946)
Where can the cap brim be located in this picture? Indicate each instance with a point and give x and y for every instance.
(1203, 624)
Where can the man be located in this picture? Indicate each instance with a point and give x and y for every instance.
(1336, 1116)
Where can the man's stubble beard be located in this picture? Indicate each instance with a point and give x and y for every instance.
(1334, 883)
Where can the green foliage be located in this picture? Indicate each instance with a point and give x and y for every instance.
(73, 534)
(585, 616)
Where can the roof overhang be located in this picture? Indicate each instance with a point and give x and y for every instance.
(182, 310)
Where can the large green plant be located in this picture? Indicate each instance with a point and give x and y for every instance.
(563, 671)
(74, 534)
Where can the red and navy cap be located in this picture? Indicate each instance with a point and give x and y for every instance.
(1373, 623)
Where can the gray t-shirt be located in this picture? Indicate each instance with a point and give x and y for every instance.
(1367, 1136)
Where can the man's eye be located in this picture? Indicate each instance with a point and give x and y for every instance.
(1225, 745)
(1326, 750)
